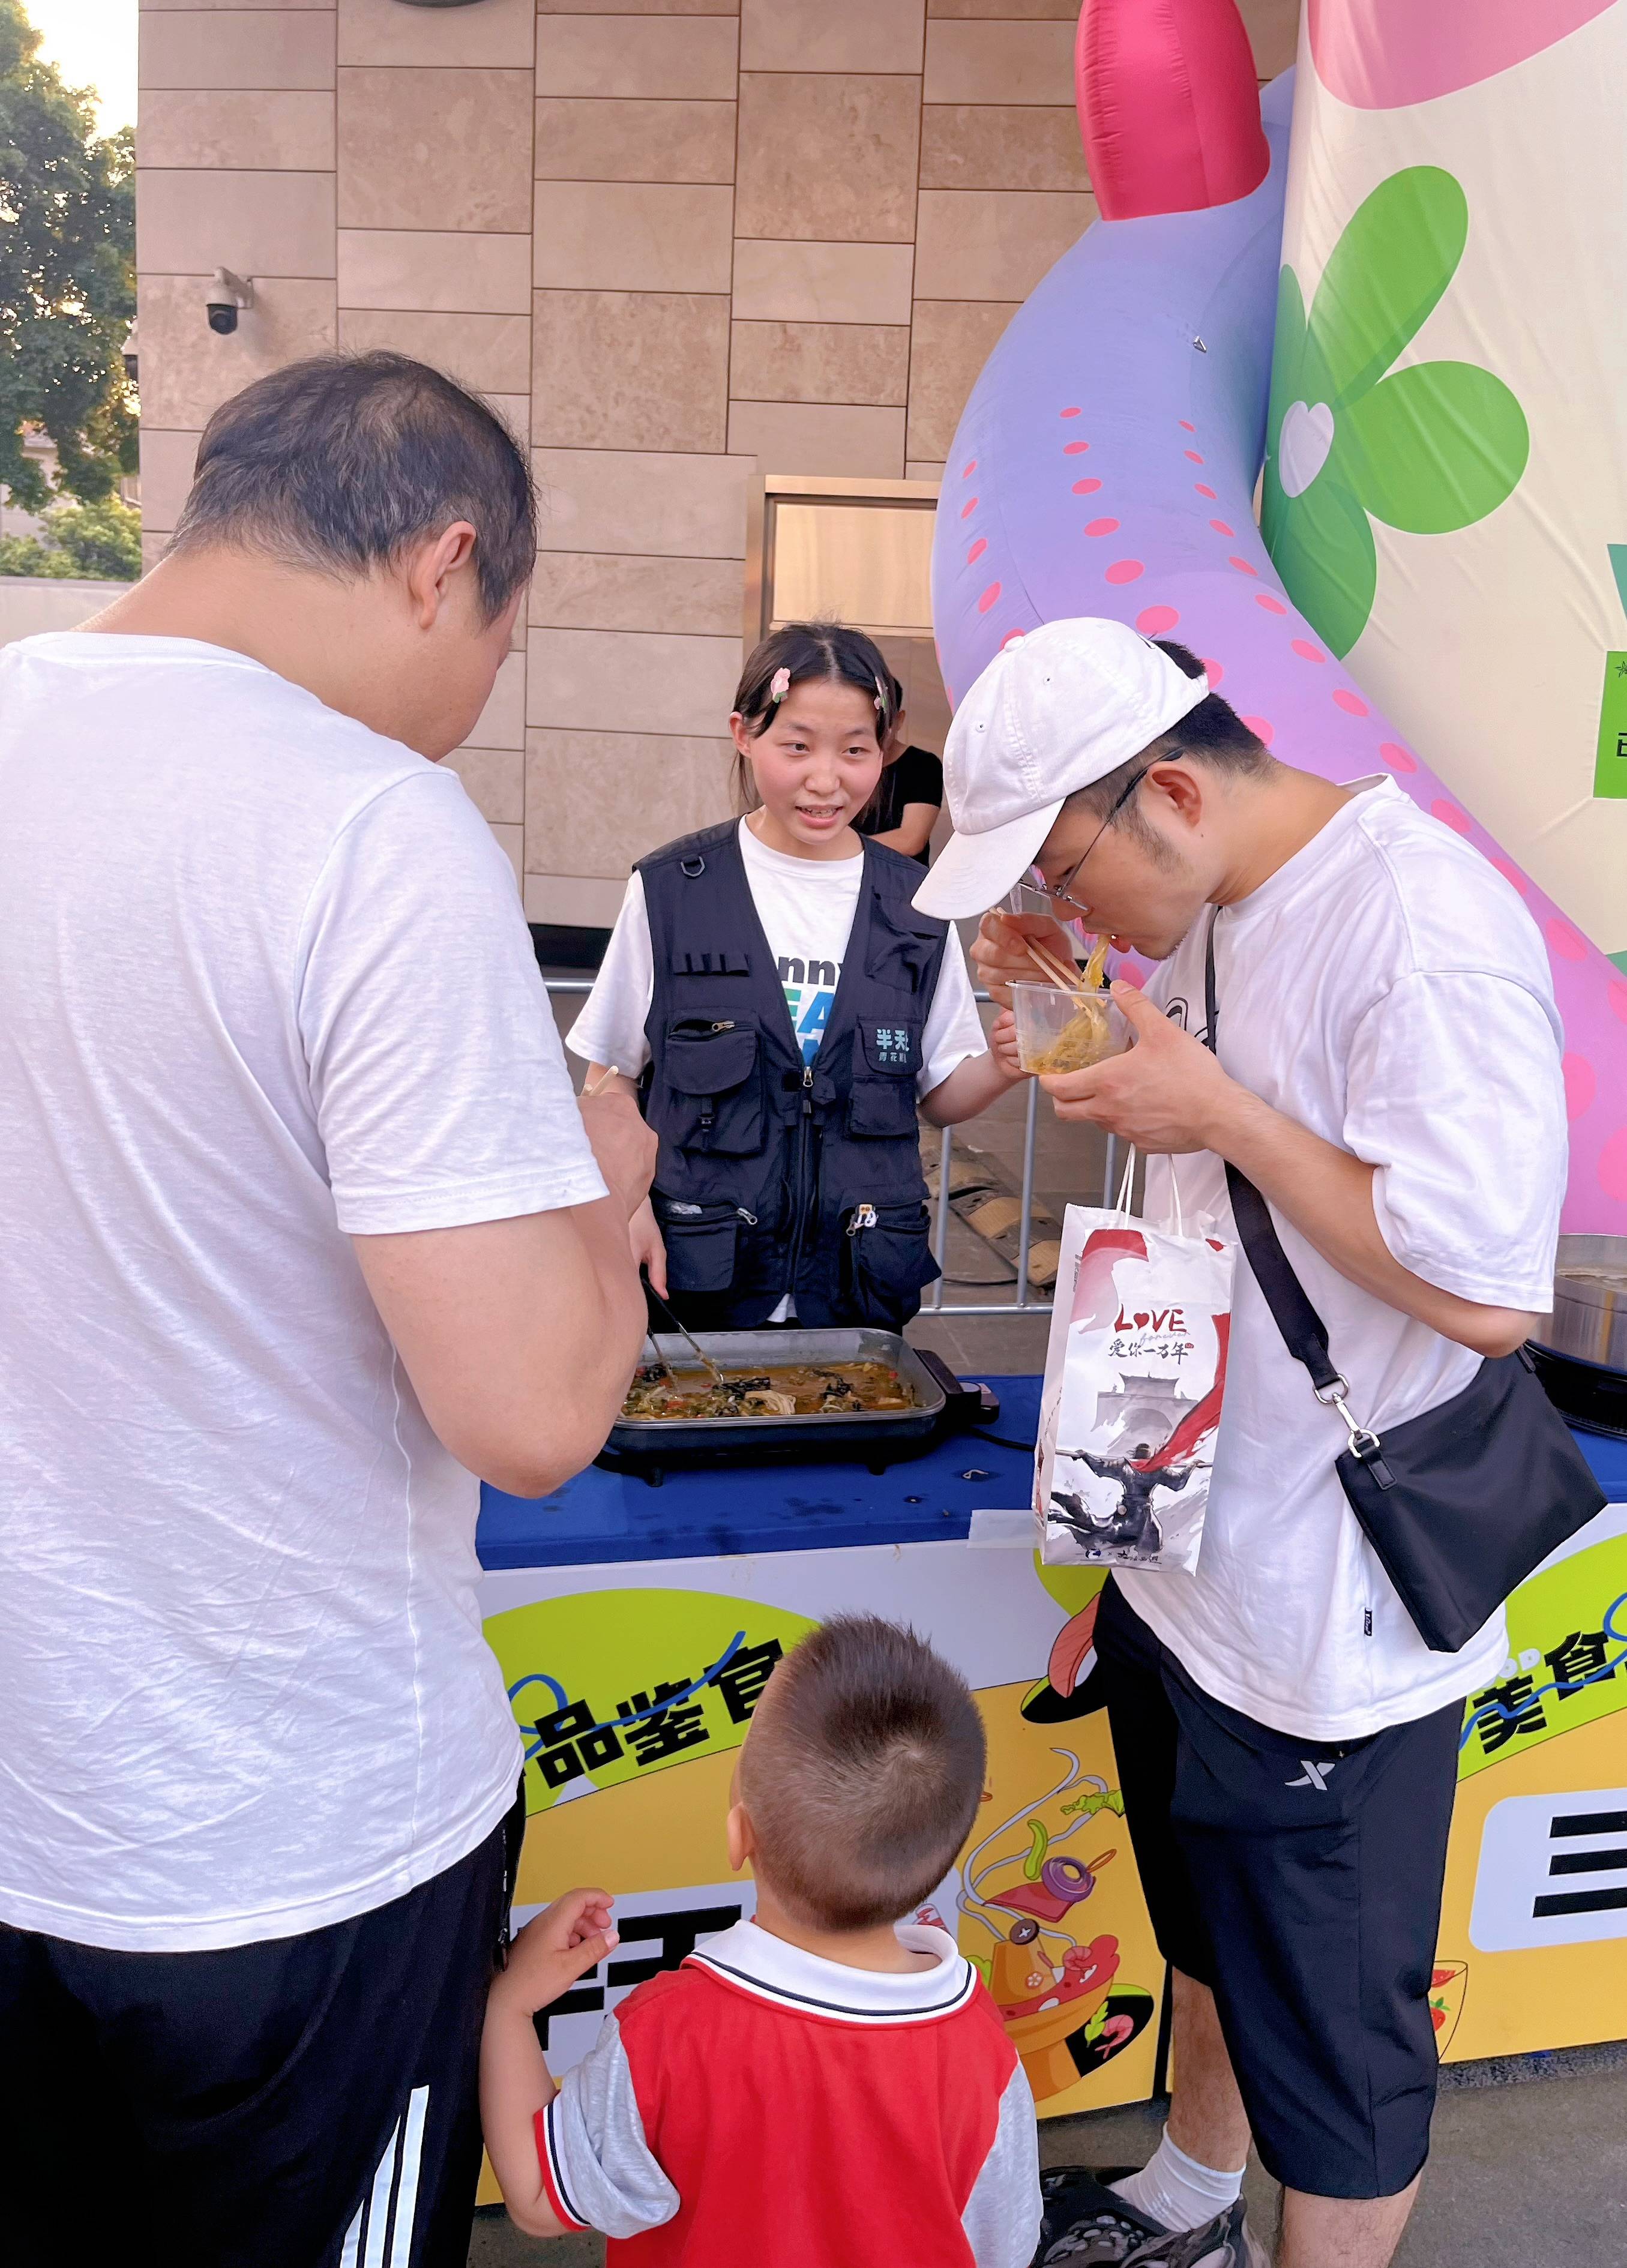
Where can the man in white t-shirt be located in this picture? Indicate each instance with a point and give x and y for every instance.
(1388, 1077)
(303, 1230)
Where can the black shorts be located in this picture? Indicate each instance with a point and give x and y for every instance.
(1300, 1880)
(260, 2107)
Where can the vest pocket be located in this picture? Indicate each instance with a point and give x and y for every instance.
(888, 1258)
(700, 1242)
(886, 1062)
(713, 1097)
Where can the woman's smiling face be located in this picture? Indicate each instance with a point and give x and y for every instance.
(816, 766)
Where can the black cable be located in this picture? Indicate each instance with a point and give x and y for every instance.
(1000, 1441)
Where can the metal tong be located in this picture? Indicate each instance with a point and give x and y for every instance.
(701, 1357)
(695, 1349)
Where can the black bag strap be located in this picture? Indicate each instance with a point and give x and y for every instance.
(1304, 1332)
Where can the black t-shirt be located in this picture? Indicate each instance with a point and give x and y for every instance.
(917, 778)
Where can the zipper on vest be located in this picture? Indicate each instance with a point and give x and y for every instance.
(799, 1187)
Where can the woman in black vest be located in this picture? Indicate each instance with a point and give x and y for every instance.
(782, 1013)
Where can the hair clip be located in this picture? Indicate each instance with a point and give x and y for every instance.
(779, 686)
(880, 696)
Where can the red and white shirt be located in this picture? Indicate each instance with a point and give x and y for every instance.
(758, 2104)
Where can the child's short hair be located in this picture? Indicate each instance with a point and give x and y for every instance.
(863, 1773)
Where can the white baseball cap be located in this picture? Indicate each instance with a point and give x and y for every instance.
(1053, 712)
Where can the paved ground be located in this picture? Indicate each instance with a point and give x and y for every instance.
(1531, 2175)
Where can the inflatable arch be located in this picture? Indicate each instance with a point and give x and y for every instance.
(1109, 458)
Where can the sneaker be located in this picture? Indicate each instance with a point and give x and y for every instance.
(1226, 2242)
(1087, 2225)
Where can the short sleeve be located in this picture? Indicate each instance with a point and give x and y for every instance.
(598, 2168)
(954, 1030)
(611, 1027)
(1002, 2215)
(1455, 1095)
(438, 1086)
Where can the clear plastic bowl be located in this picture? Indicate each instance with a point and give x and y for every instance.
(1061, 1031)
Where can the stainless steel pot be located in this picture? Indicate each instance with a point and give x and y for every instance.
(1589, 1315)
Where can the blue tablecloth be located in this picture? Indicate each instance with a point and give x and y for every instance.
(1609, 1459)
(603, 1516)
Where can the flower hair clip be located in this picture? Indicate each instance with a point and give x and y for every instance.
(779, 686)
(880, 698)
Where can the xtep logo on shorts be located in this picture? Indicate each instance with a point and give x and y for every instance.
(1315, 1774)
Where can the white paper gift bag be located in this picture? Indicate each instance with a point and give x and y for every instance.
(1134, 1375)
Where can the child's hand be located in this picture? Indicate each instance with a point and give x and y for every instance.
(571, 1937)
(1003, 1044)
(564, 1942)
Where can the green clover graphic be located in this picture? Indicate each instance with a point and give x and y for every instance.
(1427, 449)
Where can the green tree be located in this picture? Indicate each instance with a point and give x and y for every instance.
(95, 541)
(67, 278)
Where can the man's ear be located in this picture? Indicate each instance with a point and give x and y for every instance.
(433, 568)
(741, 1840)
(1180, 787)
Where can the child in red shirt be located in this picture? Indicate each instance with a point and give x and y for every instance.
(816, 2084)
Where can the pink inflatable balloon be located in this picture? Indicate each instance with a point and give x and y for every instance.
(1146, 355)
(1168, 106)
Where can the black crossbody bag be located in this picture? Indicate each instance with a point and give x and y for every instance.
(1460, 1503)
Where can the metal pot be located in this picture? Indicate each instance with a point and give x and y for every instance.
(1589, 1318)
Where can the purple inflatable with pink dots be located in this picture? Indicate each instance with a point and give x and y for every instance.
(1106, 464)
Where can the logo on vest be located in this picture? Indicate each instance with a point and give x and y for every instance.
(892, 1047)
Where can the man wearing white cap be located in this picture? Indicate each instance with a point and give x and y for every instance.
(1387, 1076)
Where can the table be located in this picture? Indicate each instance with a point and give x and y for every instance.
(636, 1627)
(602, 1516)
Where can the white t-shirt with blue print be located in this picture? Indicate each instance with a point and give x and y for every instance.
(806, 908)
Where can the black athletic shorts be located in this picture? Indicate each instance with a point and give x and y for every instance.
(306, 2102)
(1300, 1881)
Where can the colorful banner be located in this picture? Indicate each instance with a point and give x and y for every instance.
(634, 1687)
(1534, 1924)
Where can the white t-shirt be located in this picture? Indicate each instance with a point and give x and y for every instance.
(1387, 989)
(264, 981)
(806, 908)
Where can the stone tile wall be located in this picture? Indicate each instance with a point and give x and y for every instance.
(674, 242)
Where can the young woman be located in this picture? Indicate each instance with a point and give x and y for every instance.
(782, 1011)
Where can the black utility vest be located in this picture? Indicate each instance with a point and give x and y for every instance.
(774, 1177)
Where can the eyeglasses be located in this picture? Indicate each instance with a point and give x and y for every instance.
(1055, 901)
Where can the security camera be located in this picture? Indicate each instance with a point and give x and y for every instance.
(223, 295)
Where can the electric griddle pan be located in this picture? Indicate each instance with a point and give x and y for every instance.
(651, 1446)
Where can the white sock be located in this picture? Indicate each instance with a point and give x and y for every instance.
(1176, 2191)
